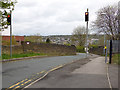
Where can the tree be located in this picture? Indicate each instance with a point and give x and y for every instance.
(34, 38)
(5, 7)
(119, 20)
(48, 40)
(79, 36)
(107, 21)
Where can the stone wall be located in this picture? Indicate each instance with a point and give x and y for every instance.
(15, 49)
(50, 49)
(98, 50)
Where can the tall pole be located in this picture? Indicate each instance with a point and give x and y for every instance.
(104, 44)
(0, 45)
(87, 37)
(11, 35)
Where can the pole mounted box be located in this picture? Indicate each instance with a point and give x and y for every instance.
(86, 16)
(9, 19)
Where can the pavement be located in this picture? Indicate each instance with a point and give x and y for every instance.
(91, 72)
(114, 75)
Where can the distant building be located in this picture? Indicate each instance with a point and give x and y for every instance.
(58, 39)
(17, 38)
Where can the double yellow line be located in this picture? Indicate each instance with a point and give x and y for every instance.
(23, 82)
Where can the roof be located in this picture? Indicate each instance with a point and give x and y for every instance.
(17, 38)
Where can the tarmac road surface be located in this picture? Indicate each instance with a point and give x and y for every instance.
(13, 72)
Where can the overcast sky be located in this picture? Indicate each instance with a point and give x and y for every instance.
(53, 17)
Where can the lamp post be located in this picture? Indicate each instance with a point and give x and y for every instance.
(105, 48)
(104, 38)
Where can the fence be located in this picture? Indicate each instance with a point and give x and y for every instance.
(113, 47)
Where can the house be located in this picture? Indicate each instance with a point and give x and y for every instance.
(18, 39)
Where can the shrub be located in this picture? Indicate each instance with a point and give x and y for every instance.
(80, 49)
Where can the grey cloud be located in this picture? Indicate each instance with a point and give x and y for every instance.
(52, 17)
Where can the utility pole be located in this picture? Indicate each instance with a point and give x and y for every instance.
(86, 20)
(11, 35)
(0, 45)
(104, 44)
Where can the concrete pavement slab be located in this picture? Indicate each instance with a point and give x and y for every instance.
(96, 66)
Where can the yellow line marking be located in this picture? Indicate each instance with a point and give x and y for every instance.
(43, 76)
(17, 83)
(27, 81)
(22, 81)
(56, 68)
(17, 87)
(42, 72)
(22, 84)
(12, 86)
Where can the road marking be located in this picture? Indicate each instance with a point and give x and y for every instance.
(60, 66)
(23, 81)
(43, 76)
(12, 86)
(109, 78)
(17, 87)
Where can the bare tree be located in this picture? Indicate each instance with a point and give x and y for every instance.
(119, 20)
(79, 36)
(107, 21)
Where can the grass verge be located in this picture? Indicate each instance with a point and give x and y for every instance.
(116, 58)
(7, 56)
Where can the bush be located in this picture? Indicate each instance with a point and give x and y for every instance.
(80, 49)
(93, 46)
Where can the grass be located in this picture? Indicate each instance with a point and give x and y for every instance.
(116, 58)
(7, 56)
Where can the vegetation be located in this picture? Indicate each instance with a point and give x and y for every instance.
(48, 40)
(79, 36)
(107, 21)
(6, 6)
(116, 58)
(80, 49)
(7, 56)
(93, 46)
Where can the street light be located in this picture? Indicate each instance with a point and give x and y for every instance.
(104, 37)
(105, 48)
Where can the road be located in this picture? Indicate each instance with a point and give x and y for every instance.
(84, 74)
(16, 71)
